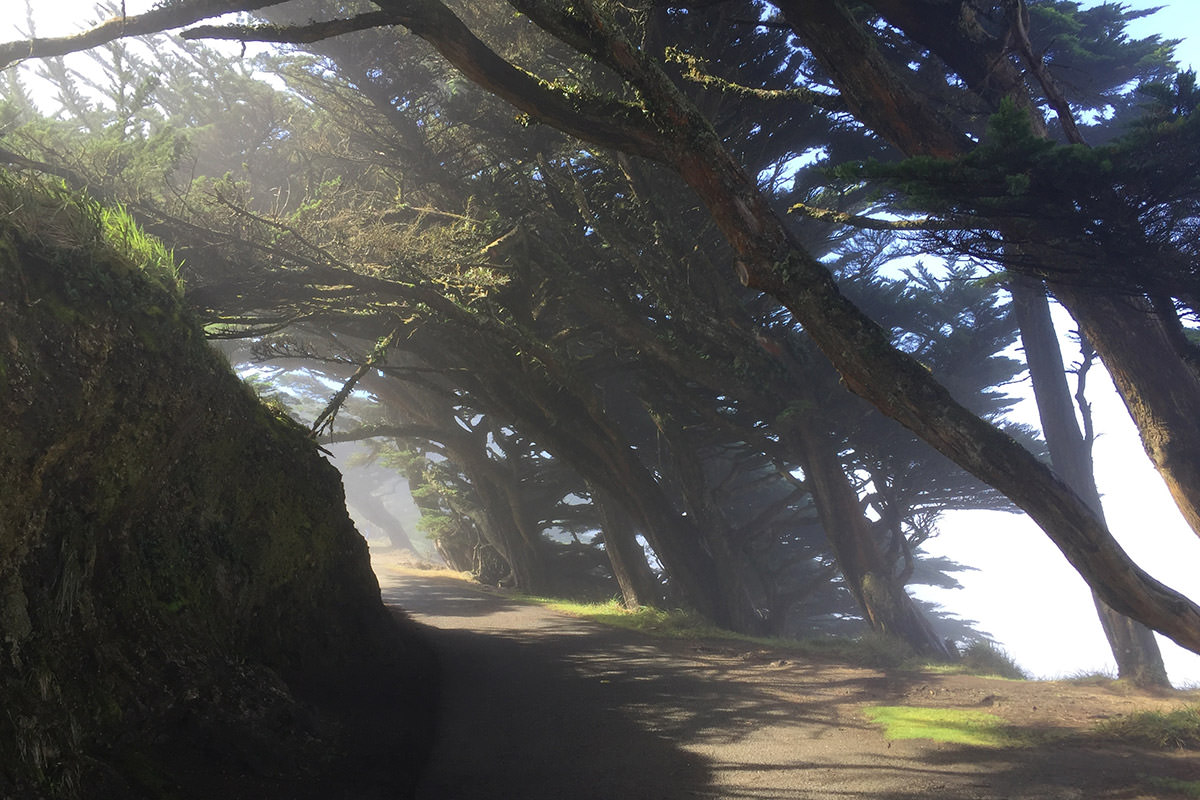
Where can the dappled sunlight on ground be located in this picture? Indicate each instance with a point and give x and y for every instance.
(550, 706)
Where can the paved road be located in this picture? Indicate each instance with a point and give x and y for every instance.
(540, 706)
(530, 701)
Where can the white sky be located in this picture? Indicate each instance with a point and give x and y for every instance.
(1023, 592)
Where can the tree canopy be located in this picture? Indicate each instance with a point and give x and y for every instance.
(609, 270)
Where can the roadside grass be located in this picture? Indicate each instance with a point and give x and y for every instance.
(1178, 729)
(870, 650)
(951, 725)
(1176, 786)
(431, 571)
(985, 659)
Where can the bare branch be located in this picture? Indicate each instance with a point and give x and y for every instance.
(386, 431)
(325, 419)
(156, 20)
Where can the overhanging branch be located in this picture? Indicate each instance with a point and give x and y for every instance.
(294, 34)
(162, 18)
(874, 223)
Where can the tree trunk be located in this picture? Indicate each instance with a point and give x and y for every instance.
(505, 521)
(853, 343)
(886, 606)
(1133, 645)
(740, 589)
(1160, 390)
(638, 585)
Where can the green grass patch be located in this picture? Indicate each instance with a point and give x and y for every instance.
(669, 624)
(952, 725)
(1176, 786)
(1178, 729)
(984, 659)
(871, 650)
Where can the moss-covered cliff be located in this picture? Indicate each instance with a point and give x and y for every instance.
(186, 609)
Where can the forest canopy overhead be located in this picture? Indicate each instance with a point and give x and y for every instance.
(546, 299)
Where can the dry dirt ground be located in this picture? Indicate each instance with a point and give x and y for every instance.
(536, 704)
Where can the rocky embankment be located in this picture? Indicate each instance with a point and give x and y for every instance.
(186, 609)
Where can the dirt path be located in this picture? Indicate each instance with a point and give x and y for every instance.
(540, 705)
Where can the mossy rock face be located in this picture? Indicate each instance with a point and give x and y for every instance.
(186, 610)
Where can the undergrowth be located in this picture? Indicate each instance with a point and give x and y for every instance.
(1179, 787)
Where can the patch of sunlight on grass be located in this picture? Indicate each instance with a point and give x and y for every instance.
(427, 572)
(674, 624)
(943, 725)
(870, 650)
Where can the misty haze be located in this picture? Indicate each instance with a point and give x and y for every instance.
(734, 399)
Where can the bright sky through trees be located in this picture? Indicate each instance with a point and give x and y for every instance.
(1049, 635)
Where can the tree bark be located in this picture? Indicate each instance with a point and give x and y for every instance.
(1133, 645)
(1159, 388)
(638, 584)
(871, 579)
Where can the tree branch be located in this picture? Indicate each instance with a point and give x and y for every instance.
(694, 72)
(325, 419)
(156, 20)
(293, 34)
(1018, 16)
(389, 431)
(874, 223)
(603, 121)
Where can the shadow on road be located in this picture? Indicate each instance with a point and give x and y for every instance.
(537, 705)
(519, 719)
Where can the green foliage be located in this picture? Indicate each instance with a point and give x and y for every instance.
(1091, 55)
(64, 220)
(1174, 730)
(951, 725)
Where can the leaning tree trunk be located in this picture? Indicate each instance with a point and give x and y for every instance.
(1133, 645)
(638, 585)
(872, 580)
(1138, 346)
(738, 584)
(1160, 389)
(503, 519)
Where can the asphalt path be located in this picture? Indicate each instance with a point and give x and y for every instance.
(536, 705)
